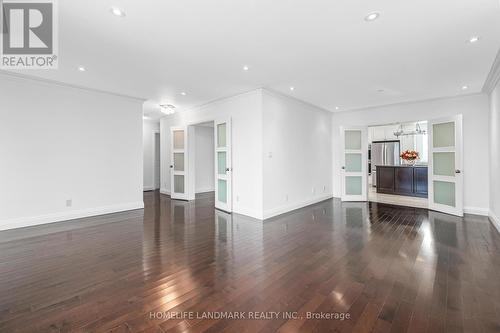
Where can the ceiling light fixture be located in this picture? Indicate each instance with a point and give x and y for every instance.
(167, 108)
(246, 68)
(474, 39)
(336, 108)
(292, 88)
(372, 16)
(465, 87)
(117, 12)
(183, 93)
(82, 69)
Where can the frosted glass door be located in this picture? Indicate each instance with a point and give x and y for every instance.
(445, 165)
(223, 169)
(354, 164)
(178, 163)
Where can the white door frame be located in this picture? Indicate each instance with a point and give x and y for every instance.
(364, 163)
(457, 179)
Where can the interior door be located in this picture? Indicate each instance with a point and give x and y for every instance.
(445, 165)
(223, 166)
(178, 163)
(354, 164)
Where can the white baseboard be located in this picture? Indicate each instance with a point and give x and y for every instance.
(494, 220)
(293, 206)
(69, 215)
(476, 211)
(247, 212)
(164, 191)
(205, 190)
(148, 188)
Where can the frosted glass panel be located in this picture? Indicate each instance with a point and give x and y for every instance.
(179, 184)
(443, 135)
(222, 190)
(444, 164)
(444, 193)
(353, 185)
(353, 162)
(221, 135)
(221, 163)
(353, 140)
(178, 139)
(179, 161)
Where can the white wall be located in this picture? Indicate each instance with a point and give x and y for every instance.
(149, 127)
(495, 156)
(59, 143)
(245, 111)
(297, 154)
(475, 110)
(204, 159)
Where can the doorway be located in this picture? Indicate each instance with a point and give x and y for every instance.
(436, 174)
(189, 156)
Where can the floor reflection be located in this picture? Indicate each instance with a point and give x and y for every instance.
(398, 265)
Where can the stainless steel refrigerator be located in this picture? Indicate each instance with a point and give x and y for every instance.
(384, 153)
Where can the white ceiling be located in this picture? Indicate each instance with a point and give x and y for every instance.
(416, 49)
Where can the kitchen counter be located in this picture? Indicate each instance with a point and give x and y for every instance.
(402, 180)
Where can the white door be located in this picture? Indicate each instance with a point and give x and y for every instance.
(445, 165)
(354, 163)
(178, 163)
(223, 166)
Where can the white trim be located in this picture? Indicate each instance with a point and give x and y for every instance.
(476, 211)
(155, 131)
(293, 206)
(494, 220)
(247, 212)
(67, 85)
(70, 215)
(148, 188)
(493, 76)
(164, 191)
(205, 190)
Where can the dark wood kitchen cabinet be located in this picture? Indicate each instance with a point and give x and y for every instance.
(402, 180)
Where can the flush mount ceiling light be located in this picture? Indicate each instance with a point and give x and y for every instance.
(117, 12)
(167, 108)
(372, 16)
(82, 69)
(473, 39)
(246, 68)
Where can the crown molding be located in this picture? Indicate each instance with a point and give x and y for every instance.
(66, 85)
(494, 76)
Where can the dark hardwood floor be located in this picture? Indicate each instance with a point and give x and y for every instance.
(391, 269)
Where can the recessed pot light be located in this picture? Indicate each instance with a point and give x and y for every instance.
(372, 16)
(337, 108)
(465, 87)
(292, 88)
(474, 39)
(246, 68)
(82, 69)
(183, 93)
(117, 12)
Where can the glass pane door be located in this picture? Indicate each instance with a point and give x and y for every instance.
(354, 164)
(178, 163)
(223, 169)
(445, 165)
